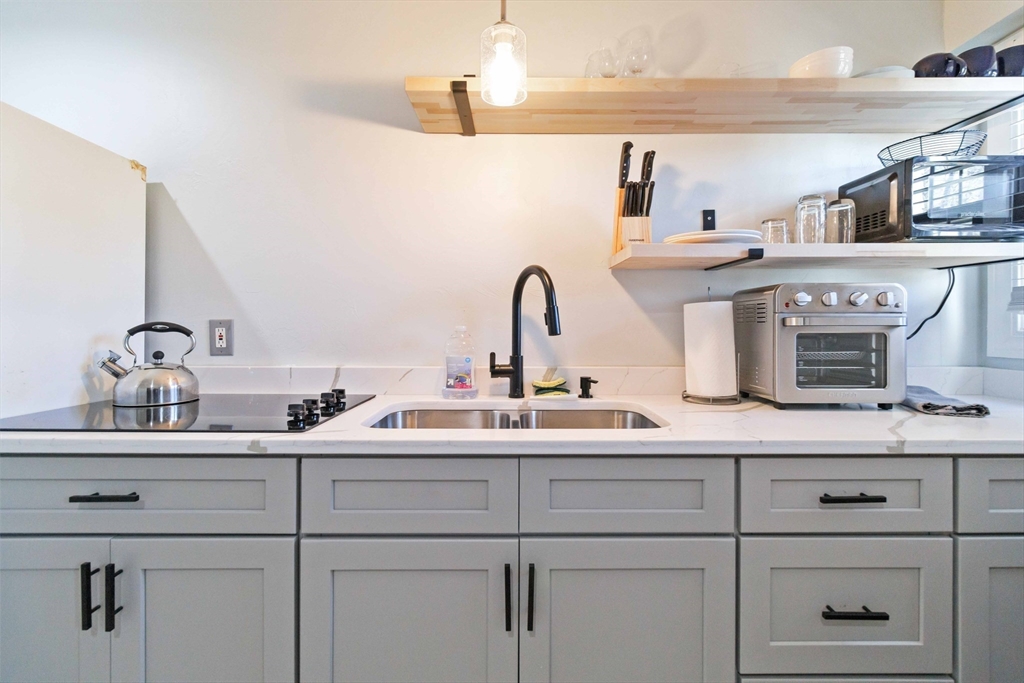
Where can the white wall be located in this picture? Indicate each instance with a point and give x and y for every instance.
(72, 269)
(969, 23)
(292, 190)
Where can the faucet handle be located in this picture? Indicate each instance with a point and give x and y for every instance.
(500, 370)
(585, 384)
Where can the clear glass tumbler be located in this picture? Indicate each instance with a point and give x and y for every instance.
(839, 224)
(809, 227)
(775, 230)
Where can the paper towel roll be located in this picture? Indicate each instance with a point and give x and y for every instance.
(709, 349)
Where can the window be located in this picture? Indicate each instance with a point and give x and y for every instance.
(1016, 304)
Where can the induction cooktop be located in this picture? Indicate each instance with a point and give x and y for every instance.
(211, 413)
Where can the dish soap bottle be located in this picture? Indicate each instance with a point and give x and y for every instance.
(460, 380)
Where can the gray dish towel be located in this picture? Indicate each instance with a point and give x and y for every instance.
(924, 400)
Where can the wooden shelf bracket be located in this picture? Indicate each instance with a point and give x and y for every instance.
(461, 95)
(752, 255)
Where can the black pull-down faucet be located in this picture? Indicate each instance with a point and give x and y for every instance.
(514, 369)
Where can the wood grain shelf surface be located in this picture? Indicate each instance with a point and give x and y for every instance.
(722, 105)
(885, 255)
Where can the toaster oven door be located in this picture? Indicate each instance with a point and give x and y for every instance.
(842, 359)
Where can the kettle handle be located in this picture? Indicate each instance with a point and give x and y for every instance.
(160, 327)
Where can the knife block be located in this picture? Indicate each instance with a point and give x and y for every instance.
(635, 230)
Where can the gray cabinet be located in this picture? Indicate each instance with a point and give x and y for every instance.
(990, 609)
(617, 609)
(204, 609)
(42, 634)
(414, 610)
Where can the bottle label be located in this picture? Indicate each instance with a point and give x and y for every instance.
(460, 372)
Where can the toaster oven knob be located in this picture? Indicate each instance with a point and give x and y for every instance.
(830, 298)
(859, 298)
(801, 298)
(886, 299)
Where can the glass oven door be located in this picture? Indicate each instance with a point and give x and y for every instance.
(841, 360)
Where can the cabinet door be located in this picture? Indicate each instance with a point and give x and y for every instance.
(408, 610)
(43, 619)
(991, 609)
(209, 609)
(627, 610)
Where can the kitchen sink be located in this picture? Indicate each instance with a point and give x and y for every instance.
(527, 419)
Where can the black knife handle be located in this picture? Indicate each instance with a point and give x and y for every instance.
(529, 599)
(650, 198)
(87, 572)
(624, 163)
(648, 169)
(866, 615)
(863, 498)
(132, 497)
(643, 166)
(108, 580)
(508, 598)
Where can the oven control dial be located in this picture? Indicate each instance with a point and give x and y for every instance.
(830, 298)
(802, 298)
(886, 299)
(859, 298)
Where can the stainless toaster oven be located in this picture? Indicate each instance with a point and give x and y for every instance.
(822, 343)
(940, 199)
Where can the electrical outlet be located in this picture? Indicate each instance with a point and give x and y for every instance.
(222, 338)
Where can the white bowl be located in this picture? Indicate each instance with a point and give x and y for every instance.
(832, 62)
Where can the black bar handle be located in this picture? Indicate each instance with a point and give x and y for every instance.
(508, 598)
(841, 500)
(752, 255)
(108, 579)
(159, 327)
(529, 599)
(866, 615)
(87, 572)
(132, 497)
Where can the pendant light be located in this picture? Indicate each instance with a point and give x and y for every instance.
(503, 63)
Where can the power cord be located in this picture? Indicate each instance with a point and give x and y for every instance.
(949, 290)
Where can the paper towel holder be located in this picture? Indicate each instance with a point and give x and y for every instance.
(718, 400)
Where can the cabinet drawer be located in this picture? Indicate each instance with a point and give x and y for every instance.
(410, 496)
(990, 495)
(847, 679)
(802, 605)
(175, 495)
(627, 495)
(801, 495)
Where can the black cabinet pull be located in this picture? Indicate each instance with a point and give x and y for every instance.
(97, 498)
(866, 615)
(529, 600)
(508, 598)
(108, 579)
(87, 572)
(840, 500)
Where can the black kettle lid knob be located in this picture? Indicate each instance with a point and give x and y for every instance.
(158, 357)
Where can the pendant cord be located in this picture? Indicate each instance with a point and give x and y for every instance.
(503, 10)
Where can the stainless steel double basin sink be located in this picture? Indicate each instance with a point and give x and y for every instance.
(522, 419)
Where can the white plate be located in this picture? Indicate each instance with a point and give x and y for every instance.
(887, 72)
(720, 236)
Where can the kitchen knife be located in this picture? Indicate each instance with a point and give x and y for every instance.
(650, 196)
(647, 170)
(620, 196)
(624, 163)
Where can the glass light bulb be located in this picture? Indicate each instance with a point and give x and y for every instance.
(503, 65)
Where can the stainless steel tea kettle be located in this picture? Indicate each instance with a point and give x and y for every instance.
(152, 384)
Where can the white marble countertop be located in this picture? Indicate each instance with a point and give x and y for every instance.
(750, 428)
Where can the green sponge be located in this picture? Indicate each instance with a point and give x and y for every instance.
(554, 387)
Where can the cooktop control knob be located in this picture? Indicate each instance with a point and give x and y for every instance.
(886, 299)
(830, 298)
(859, 298)
(297, 416)
(339, 397)
(329, 404)
(801, 298)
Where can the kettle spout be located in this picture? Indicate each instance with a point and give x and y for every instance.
(110, 365)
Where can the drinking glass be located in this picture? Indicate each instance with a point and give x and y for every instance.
(775, 231)
(809, 227)
(839, 223)
(637, 57)
(602, 64)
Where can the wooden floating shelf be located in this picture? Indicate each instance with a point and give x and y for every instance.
(882, 255)
(720, 105)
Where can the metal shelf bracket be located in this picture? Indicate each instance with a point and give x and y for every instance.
(461, 95)
(752, 255)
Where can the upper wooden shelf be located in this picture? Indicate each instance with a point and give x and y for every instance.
(862, 255)
(720, 105)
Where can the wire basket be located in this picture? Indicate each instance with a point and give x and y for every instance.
(829, 355)
(954, 143)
